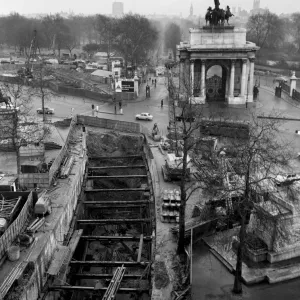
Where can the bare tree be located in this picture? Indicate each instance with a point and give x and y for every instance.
(247, 170)
(17, 127)
(185, 121)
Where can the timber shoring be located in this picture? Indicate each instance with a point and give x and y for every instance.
(93, 263)
(112, 221)
(115, 238)
(137, 202)
(91, 288)
(114, 157)
(104, 276)
(116, 167)
(117, 190)
(115, 176)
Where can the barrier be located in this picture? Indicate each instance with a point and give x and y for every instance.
(58, 160)
(16, 226)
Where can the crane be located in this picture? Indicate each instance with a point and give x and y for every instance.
(27, 71)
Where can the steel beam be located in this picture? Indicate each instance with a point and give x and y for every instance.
(116, 176)
(91, 289)
(117, 190)
(93, 263)
(112, 221)
(114, 238)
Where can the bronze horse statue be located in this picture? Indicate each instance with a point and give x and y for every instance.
(218, 16)
(5, 99)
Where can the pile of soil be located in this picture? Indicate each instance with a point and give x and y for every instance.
(161, 278)
(113, 144)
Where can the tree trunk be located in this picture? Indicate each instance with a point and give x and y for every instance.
(181, 237)
(237, 287)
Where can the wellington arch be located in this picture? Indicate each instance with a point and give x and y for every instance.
(224, 48)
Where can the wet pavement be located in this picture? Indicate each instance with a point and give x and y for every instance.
(212, 281)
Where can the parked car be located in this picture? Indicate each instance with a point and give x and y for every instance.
(144, 116)
(47, 110)
(9, 106)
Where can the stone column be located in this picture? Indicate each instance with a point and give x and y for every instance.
(202, 86)
(181, 73)
(192, 81)
(251, 81)
(232, 74)
(293, 82)
(244, 77)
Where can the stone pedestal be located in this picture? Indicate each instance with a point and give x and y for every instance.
(293, 83)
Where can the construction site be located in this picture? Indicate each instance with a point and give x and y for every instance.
(114, 226)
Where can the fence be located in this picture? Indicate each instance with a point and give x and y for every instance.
(296, 95)
(58, 160)
(16, 226)
(285, 87)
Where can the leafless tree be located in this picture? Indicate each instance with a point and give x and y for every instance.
(246, 171)
(185, 134)
(17, 126)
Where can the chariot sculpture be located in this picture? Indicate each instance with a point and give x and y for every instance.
(218, 16)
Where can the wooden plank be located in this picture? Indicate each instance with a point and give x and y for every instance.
(140, 248)
(93, 263)
(112, 203)
(103, 276)
(112, 221)
(115, 238)
(91, 288)
(118, 206)
(117, 167)
(117, 190)
(116, 176)
(114, 157)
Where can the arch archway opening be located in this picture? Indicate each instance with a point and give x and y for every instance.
(216, 83)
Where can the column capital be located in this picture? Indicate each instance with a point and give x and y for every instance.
(233, 61)
(244, 60)
(192, 60)
(252, 59)
(203, 61)
(182, 60)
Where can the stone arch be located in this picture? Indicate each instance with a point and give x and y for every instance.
(216, 85)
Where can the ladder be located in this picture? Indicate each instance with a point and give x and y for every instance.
(113, 287)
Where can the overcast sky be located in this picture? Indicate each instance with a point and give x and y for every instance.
(137, 6)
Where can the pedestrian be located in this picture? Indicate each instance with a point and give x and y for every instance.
(155, 81)
(120, 105)
(162, 103)
(115, 109)
(246, 103)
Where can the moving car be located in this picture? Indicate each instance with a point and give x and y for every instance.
(9, 106)
(144, 116)
(47, 110)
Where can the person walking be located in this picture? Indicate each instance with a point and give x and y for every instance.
(115, 109)
(120, 105)
(162, 103)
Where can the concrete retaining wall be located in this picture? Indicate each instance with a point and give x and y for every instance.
(109, 124)
(29, 180)
(52, 235)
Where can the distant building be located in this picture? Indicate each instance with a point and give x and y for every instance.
(191, 10)
(256, 8)
(118, 9)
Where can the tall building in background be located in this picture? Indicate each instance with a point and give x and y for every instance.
(256, 8)
(118, 9)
